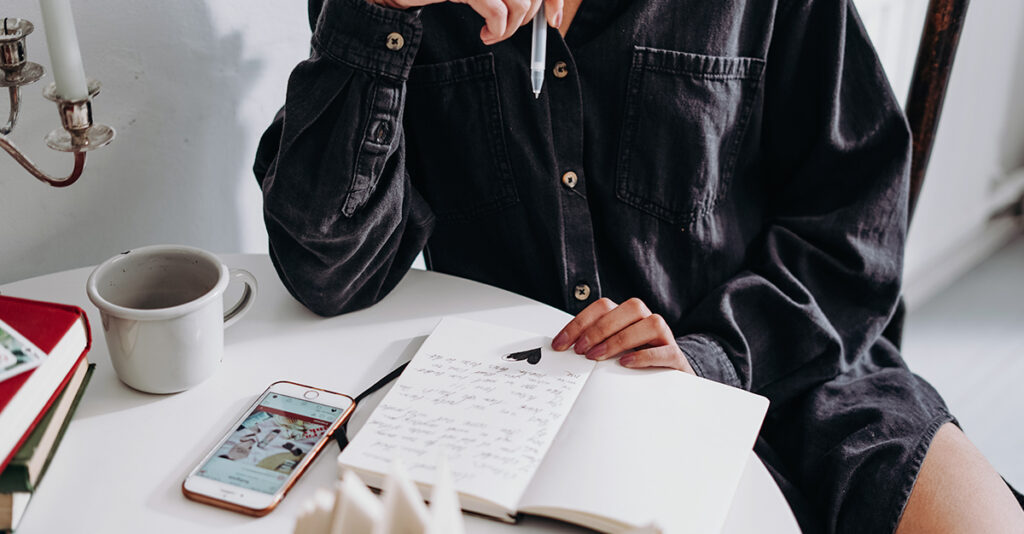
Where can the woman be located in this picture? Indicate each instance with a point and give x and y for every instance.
(717, 187)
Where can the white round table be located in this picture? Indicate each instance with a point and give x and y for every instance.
(121, 463)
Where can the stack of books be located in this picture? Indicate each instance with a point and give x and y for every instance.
(43, 373)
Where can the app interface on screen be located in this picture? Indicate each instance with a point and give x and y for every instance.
(263, 451)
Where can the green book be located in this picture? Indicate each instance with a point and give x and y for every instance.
(29, 464)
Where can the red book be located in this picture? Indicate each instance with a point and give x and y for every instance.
(62, 332)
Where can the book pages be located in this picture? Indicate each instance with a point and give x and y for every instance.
(489, 398)
(643, 446)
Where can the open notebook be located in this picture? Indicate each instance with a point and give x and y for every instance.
(561, 436)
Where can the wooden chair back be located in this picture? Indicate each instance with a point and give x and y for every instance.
(939, 40)
(935, 53)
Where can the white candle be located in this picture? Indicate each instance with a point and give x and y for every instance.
(65, 57)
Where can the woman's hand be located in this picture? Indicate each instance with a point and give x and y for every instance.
(501, 17)
(604, 330)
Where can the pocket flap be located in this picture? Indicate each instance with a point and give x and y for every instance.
(697, 64)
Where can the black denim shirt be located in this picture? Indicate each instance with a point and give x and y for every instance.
(739, 165)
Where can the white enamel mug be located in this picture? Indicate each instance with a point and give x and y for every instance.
(163, 314)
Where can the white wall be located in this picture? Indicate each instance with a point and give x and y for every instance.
(189, 86)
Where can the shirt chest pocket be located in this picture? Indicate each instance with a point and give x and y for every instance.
(685, 117)
(457, 155)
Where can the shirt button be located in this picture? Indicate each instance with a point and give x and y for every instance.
(570, 179)
(561, 70)
(395, 41)
(581, 292)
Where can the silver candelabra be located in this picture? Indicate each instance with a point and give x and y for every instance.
(77, 134)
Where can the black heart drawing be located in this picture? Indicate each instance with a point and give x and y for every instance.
(531, 356)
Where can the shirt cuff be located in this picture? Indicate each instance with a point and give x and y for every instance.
(369, 37)
(708, 359)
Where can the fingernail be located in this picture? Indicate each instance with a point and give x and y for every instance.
(626, 361)
(582, 345)
(561, 341)
(596, 352)
(558, 20)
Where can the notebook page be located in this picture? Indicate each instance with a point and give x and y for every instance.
(493, 418)
(649, 445)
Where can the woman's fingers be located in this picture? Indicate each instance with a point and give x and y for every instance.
(626, 314)
(598, 322)
(664, 356)
(520, 13)
(604, 330)
(495, 14)
(651, 331)
(501, 17)
(504, 17)
(553, 12)
(571, 331)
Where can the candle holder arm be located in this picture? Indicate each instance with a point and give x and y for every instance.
(12, 116)
(34, 170)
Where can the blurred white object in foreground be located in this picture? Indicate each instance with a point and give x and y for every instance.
(400, 509)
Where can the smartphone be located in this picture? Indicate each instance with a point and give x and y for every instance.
(261, 456)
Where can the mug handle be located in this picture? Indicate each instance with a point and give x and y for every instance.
(247, 299)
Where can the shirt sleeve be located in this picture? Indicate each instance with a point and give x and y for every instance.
(343, 220)
(822, 279)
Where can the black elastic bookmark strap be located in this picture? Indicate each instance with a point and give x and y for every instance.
(342, 433)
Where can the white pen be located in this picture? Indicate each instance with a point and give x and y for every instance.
(538, 54)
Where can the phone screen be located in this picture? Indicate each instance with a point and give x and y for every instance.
(271, 441)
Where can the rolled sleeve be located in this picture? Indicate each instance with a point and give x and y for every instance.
(343, 220)
(369, 37)
(709, 359)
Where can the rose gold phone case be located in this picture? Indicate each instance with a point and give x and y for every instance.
(299, 470)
